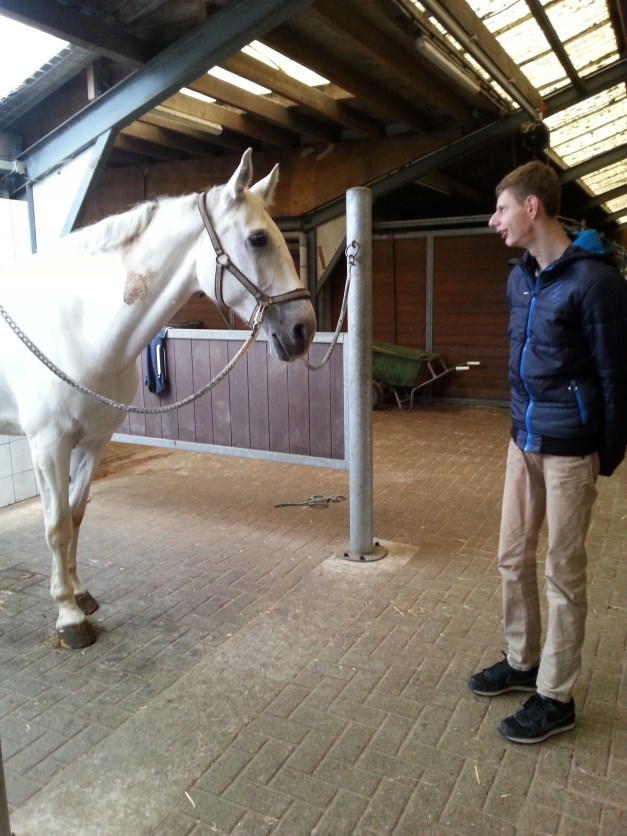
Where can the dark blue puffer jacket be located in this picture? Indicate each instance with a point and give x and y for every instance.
(568, 354)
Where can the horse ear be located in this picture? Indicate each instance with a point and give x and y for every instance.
(241, 177)
(266, 188)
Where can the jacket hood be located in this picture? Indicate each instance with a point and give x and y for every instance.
(589, 244)
(591, 241)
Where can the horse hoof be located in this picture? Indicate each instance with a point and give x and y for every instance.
(78, 635)
(86, 602)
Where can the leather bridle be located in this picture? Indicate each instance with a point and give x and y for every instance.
(223, 262)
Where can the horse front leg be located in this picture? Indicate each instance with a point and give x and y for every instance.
(51, 463)
(82, 466)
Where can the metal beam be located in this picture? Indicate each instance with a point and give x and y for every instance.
(470, 31)
(615, 155)
(544, 22)
(223, 34)
(432, 161)
(507, 126)
(99, 155)
(81, 30)
(592, 84)
(619, 191)
(614, 216)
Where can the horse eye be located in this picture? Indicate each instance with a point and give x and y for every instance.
(258, 239)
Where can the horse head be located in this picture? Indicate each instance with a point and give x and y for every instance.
(244, 263)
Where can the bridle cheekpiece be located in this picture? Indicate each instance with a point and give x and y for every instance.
(223, 262)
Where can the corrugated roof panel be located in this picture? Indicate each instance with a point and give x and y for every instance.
(576, 16)
(607, 178)
(591, 127)
(596, 124)
(593, 49)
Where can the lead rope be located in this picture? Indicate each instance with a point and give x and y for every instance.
(144, 410)
(350, 263)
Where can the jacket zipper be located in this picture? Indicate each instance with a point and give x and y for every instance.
(580, 404)
(534, 295)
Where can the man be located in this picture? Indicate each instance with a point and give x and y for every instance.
(568, 378)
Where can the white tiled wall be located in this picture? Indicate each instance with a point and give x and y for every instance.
(14, 234)
(17, 477)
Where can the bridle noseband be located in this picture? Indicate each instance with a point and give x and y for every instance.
(223, 262)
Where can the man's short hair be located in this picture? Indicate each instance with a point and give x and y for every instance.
(536, 179)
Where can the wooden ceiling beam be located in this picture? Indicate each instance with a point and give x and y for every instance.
(124, 142)
(267, 110)
(227, 139)
(391, 53)
(301, 94)
(290, 42)
(175, 140)
(240, 123)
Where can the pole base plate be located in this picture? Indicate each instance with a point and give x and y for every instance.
(376, 554)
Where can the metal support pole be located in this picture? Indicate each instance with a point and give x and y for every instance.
(359, 250)
(5, 827)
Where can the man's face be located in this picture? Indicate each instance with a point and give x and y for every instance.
(512, 220)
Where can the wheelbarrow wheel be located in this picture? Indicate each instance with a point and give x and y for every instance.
(378, 394)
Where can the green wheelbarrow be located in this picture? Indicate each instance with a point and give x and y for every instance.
(405, 371)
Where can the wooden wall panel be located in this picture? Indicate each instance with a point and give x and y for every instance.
(298, 409)
(320, 405)
(258, 394)
(184, 386)
(383, 298)
(469, 308)
(277, 409)
(169, 420)
(336, 383)
(410, 259)
(470, 314)
(203, 413)
(238, 396)
(220, 402)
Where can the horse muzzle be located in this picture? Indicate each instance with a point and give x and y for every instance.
(290, 327)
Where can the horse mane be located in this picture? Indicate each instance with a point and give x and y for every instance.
(119, 230)
(115, 231)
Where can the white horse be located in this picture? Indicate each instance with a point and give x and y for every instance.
(94, 302)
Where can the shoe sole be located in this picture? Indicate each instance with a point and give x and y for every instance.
(530, 688)
(548, 734)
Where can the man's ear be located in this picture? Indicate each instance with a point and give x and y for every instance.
(532, 205)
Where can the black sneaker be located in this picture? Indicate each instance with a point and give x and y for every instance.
(539, 718)
(502, 677)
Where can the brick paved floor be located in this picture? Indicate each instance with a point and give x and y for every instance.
(249, 680)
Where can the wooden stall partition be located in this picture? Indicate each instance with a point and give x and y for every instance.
(263, 408)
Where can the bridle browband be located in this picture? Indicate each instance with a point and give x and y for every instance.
(223, 262)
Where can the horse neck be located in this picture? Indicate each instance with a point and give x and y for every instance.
(160, 276)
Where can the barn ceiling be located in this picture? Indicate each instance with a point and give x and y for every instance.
(487, 85)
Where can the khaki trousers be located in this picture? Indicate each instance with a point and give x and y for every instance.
(562, 488)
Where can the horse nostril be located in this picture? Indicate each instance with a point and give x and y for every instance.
(299, 332)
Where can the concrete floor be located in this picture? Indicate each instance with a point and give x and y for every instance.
(249, 680)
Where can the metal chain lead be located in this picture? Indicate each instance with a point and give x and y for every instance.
(350, 261)
(145, 410)
(351, 254)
